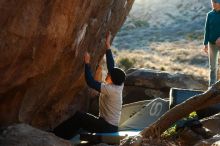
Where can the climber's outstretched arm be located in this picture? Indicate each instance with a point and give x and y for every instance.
(88, 74)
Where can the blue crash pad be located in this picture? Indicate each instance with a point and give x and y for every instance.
(178, 96)
(109, 138)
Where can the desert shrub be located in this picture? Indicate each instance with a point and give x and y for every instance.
(194, 36)
(141, 23)
(126, 63)
(134, 23)
(162, 68)
(114, 51)
(170, 132)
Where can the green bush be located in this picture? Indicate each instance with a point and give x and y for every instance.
(141, 23)
(194, 36)
(126, 63)
(172, 131)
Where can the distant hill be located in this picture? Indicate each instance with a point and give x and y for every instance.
(162, 20)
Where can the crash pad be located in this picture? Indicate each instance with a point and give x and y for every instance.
(148, 114)
(178, 95)
(109, 138)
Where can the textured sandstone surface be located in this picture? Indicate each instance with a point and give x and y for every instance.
(42, 43)
(25, 135)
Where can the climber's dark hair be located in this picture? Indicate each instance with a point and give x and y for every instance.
(118, 76)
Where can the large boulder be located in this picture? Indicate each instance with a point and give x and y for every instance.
(212, 123)
(42, 44)
(25, 135)
(214, 141)
(148, 84)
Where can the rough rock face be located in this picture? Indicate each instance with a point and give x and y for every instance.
(25, 135)
(215, 141)
(212, 123)
(41, 61)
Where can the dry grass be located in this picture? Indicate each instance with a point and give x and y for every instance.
(182, 56)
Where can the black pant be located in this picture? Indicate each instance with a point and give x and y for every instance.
(86, 121)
